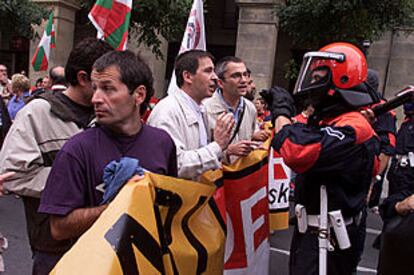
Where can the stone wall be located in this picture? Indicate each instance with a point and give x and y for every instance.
(257, 39)
(392, 56)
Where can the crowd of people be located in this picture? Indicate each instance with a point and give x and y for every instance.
(53, 135)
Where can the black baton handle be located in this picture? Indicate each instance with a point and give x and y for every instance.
(406, 95)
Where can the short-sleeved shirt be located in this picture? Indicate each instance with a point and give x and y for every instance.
(79, 165)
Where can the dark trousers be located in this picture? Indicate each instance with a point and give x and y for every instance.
(304, 252)
(44, 262)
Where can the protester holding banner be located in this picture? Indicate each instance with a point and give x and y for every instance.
(181, 115)
(37, 134)
(122, 85)
(229, 98)
(336, 152)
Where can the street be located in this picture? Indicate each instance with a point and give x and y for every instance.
(18, 256)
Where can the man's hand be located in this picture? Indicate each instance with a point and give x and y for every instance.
(280, 102)
(241, 148)
(369, 115)
(261, 135)
(3, 178)
(222, 131)
(117, 174)
(406, 206)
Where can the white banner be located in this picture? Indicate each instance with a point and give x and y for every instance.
(194, 36)
(279, 180)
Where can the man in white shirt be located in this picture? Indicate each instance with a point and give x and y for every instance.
(181, 115)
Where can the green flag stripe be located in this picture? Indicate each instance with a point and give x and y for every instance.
(115, 38)
(105, 3)
(39, 59)
(48, 28)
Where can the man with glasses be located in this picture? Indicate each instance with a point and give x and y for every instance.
(37, 134)
(233, 80)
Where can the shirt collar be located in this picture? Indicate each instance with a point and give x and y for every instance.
(197, 108)
(228, 107)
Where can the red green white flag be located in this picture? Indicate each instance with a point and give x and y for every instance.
(40, 60)
(111, 19)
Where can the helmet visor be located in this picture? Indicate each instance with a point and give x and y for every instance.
(316, 70)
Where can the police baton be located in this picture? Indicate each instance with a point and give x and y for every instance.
(403, 96)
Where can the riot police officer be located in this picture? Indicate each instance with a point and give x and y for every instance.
(337, 149)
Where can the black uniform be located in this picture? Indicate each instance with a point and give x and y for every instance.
(397, 243)
(340, 154)
(386, 130)
(400, 174)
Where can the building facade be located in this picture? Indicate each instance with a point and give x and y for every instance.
(245, 28)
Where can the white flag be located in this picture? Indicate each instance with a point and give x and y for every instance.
(194, 36)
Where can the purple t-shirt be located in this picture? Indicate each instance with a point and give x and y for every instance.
(79, 165)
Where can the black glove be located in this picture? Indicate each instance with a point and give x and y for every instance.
(279, 102)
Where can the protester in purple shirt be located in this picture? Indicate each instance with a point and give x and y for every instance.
(123, 87)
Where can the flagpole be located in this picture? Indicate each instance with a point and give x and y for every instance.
(194, 37)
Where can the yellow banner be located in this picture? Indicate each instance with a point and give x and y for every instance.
(158, 225)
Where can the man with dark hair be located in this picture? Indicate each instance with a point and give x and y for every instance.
(5, 84)
(37, 134)
(181, 115)
(229, 98)
(122, 85)
(57, 78)
(251, 86)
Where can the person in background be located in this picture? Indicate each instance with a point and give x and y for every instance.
(251, 87)
(57, 79)
(39, 83)
(397, 209)
(151, 106)
(307, 111)
(3, 240)
(37, 134)
(385, 127)
(21, 91)
(263, 115)
(46, 84)
(5, 84)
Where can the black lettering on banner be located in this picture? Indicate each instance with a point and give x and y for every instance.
(279, 196)
(127, 232)
(173, 202)
(272, 195)
(283, 194)
(198, 246)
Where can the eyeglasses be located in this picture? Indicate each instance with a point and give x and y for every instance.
(238, 75)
